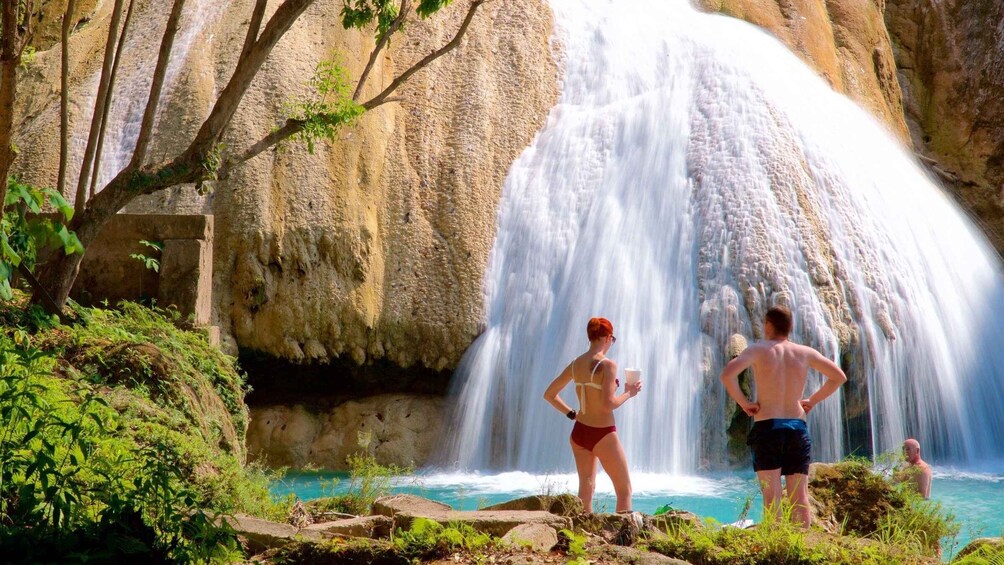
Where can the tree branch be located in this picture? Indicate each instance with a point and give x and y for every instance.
(64, 95)
(247, 67)
(99, 103)
(157, 86)
(257, 15)
(108, 99)
(384, 40)
(382, 97)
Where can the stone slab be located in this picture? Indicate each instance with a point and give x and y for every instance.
(538, 537)
(408, 504)
(496, 523)
(263, 535)
(374, 527)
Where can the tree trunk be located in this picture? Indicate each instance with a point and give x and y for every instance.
(60, 272)
(10, 58)
(64, 96)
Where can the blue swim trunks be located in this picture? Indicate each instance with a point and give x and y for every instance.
(781, 443)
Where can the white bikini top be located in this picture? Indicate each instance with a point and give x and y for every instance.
(580, 390)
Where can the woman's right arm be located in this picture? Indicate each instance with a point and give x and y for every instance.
(551, 394)
(614, 400)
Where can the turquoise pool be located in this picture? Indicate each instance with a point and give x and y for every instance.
(976, 499)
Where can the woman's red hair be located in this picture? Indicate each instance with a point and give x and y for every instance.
(598, 328)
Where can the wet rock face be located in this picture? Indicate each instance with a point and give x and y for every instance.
(950, 59)
(375, 245)
(846, 42)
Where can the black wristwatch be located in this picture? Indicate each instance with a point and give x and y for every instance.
(571, 414)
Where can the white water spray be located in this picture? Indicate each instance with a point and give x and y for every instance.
(693, 173)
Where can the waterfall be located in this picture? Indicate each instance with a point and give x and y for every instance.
(693, 173)
(132, 83)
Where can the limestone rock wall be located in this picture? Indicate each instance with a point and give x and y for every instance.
(395, 429)
(375, 245)
(950, 60)
(845, 41)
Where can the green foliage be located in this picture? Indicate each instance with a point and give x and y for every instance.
(329, 107)
(427, 539)
(918, 525)
(28, 57)
(23, 231)
(151, 263)
(770, 543)
(120, 440)
(368, 480)
(360, 14)
(70, 477)
(575, 546)
(981, 554)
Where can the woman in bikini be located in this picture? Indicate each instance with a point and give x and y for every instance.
(594, 436)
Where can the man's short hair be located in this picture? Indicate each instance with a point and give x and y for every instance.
(780, 318)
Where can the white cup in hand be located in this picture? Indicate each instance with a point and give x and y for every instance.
(632, 375)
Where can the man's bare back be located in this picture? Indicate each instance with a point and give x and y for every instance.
(780, 441)
(780, 369)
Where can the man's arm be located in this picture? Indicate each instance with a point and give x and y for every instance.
(924, 481)
(834, 378)
(730, 378)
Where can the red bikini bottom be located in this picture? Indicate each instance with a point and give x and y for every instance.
(587, 437)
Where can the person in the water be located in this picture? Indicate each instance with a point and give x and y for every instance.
(780, 439)
(594, 436)
(917, 472)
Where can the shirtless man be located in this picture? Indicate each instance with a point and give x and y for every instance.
(780, 439)
(917, 470)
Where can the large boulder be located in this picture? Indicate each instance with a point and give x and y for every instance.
(375, 527)
(396, 429)
(537, 537)
(562, 504)
(991, 549)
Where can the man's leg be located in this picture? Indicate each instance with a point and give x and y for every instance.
(770, 486)
(798, 494)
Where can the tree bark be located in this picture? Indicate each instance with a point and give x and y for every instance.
(157, 86)
(99, 103)
(257, 15)
(64, 96)
(10, 58)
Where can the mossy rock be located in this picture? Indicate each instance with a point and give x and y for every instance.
(850, 493)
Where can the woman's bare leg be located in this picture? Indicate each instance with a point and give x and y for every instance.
(585, 464)
(611, 456)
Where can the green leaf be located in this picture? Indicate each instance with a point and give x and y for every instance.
(70, 242)
(59, 203)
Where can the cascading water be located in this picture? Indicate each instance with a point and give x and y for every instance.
(132, 83)
(693, 173)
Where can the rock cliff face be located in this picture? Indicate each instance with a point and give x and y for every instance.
(846, 42)
(375, 245)
(950, 61)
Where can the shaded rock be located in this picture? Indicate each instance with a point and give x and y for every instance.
(562, 504)
(401, 430)
(375, 527)
(669, 522)
(621, 554)
(263, 534)
(343, 551)
(299, 516)
(537, 537)
(495, 522)
(619, 529)
(950, 65)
